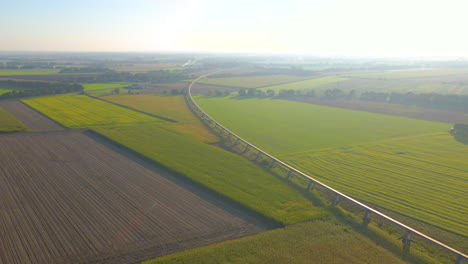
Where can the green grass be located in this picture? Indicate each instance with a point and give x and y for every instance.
(80, 111)
(307, 84)
(102, 86)
(410, 166)
(282, 127)
(9, 123)
(172, 107)
(28, 72)
(224, 172)
(251, 82)
(6, 90)
(317, 241)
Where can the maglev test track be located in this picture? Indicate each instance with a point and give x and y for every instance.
(409, 232)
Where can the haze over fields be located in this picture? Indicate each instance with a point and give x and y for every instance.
(317, 27)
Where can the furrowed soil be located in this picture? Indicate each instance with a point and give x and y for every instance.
(66, 197)
(28, 116)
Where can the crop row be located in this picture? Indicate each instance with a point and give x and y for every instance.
(414, 181)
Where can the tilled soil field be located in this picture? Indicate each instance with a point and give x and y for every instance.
(32, 119)
(67, 197)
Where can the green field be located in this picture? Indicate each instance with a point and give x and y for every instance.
(27, 72)
(410, 166)
(102, 86)
(8, 122)
(307, 84)
(283, 127)
(311, 242)
(251, 82)
(424, 177)
(6, 90)
(80, 111)
(172, 107)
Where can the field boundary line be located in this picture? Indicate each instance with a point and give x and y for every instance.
(133, 109)
(409, 231)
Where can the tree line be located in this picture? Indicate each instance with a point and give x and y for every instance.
(27, 89)
(450, 102)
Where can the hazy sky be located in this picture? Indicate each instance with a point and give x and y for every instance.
(319, 27)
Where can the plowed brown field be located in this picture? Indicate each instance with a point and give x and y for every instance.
(32, 119)
(66, 197)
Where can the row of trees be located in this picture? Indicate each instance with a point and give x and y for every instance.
(161, 76)
(83, 70)
(450, 102)
(27, 89)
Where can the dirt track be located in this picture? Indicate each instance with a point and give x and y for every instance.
(32, 119)
(67, 198)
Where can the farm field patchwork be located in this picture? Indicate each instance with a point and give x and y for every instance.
(253, 81)
(309, 136)
(172, 107)
(80, 111)
(8, 122)
(306, 84)
(302, 127)
(33, 120)
(224, 172)
(309, 242)
(61, 204)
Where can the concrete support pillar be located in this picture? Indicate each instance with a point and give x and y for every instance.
(336, 200)
(247, 148)
(460, 260)
(406, 240)
(235, 142)
(290, 174)
(259, 155)
(273, 164)
(310, 186)
(366, 218)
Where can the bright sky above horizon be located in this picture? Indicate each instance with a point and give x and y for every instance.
(317, 27)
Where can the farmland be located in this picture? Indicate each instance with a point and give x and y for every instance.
(311, 242)
(172, 107)
(32, 119)
(409, 166)
(302, 127)
(27, 72)
(65, 205)
(8, 122)
(306, 84)
(80, 111)
(224, 172)
(253, 81)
